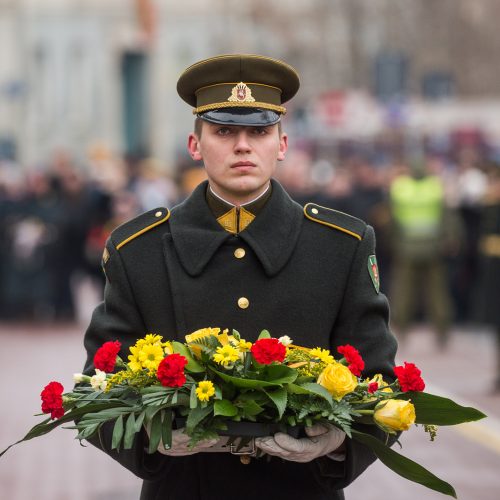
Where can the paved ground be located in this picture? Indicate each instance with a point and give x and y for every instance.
(55, 467)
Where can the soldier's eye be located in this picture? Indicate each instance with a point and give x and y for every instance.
(260, 130)
(223, 131)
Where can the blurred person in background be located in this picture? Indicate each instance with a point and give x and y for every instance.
(107, 180)
(338, 190)
(152, 186)
(238, 252)
(369, 202)
(423, 236)
(467, 190)
(488, 302)
(28, 212)
(189, 178)
(295, 174)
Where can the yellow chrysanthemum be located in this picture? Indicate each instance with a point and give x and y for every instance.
(205, 390)
(167, 347)
(151, 355)
(150, 338)
(134, 362)
(226, 355)
(244, 346)
(322, 354)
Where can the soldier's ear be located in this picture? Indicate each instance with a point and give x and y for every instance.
(194, 147)
(283, 146)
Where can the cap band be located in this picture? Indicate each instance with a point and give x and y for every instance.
(231, 94)
(220, 105)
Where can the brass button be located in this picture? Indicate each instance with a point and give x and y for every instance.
(158, 214)
(243, 302)
(315, 211)
(239, 253)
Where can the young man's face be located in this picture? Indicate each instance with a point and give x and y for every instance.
(239, 160)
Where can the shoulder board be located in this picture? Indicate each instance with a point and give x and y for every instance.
(335, 219)
(139, 225)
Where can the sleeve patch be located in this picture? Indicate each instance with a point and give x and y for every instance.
(373, 270)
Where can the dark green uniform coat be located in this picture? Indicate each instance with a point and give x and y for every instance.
(308, 279)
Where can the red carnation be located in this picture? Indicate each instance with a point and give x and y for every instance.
(265, 351)
(171, 370)
(354, 360)
(409, 377)
(105, 357)
(372, 387)
(52, 401)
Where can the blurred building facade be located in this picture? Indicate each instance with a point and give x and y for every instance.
(74, 72)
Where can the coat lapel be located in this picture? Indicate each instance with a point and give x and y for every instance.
(195, 232)
(275, 231)
(272, 235)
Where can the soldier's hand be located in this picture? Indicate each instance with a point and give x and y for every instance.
(180, 444)
(321, 439)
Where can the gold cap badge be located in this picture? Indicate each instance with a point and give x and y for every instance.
(241, 93)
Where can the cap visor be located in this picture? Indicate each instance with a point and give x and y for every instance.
(249, 117)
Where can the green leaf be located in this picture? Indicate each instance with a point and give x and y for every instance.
(280, 374)
(279, 397)
(225, 408)
(139, 420)
(250, 408)
(117, 434)
(155, 433)
(193, 399)
(151, 411)
(296, 389)
(436, 410)
(105, 415)
(282, 377)
(264, 334)
(87, 431)
(318, 390)
(130, 432)
(47, 425)
(192, 365)
(175, 397)
(166, 429)
(195, 416)
(403, 466)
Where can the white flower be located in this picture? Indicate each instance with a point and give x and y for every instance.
(78, 377)
(285, 340)
(98, 381)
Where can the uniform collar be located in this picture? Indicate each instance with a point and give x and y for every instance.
(272, 235)
(232, 218)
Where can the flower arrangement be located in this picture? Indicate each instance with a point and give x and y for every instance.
(216, 379)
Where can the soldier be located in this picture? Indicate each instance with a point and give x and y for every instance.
(489, 291)
(241, 254)
(424, 234)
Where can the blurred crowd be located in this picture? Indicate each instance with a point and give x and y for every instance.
(54, 222)
(431, 212)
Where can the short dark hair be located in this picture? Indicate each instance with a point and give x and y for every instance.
(198, 126)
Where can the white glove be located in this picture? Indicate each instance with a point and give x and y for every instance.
(321, 439)
(180, 446)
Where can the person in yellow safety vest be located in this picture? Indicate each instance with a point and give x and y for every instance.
(421, 236)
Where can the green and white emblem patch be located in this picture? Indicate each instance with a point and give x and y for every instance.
(373, 270)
